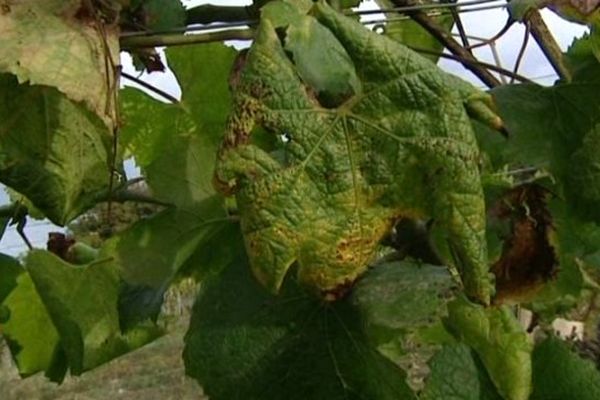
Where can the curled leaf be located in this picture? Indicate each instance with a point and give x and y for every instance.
(528, 258)
(400, 146)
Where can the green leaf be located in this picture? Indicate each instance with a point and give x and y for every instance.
(244, 343)
(402, 303)
(10, 269)
(29, 332)
(411, 33)
(457, 374)
(82, 303)
(160, 15)
(349, 172)
(584, 174)
(550, 128)
(499, 340)
(53, 151)
(151, 252)
(57, 43)
(583, 57)
(176, 144)
(285, 12)
(322, 62)
(560, 374)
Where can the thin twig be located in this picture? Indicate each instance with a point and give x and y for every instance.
(150, 87)
(460, 27)
(446, 39)
(482, 64)
(497, 36)
(522, 50)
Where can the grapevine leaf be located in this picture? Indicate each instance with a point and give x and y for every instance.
(584, 173)
(10, 269)
(548, 128)
(59, 43)
(499, 340)
(403, 146)
(54, 151)
(175, 144)
(560, 374)
(529, 256)
(243, 343)
(82, 303)
(402, 303)
(411, 33)
(285, 12)
(157, 15)
(457, 374)
(322, 62)
(152, 251)
(29, 332)
(552, 129)
(574, 240)
(583, 57)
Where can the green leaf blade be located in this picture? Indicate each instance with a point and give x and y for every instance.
(350, 171)
(245, 344)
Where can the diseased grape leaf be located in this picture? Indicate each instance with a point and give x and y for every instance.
(53, 151)
(403, 146)
(457, 374)
(574, 240)
(499, 340)
(529, 258)
(244, 343)
(560, 374)
(550, 129)
(59, 43)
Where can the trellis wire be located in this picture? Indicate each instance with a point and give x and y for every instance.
(445, 7)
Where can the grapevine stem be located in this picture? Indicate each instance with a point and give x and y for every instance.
(549, 46)
(136, 42)
(445, 38)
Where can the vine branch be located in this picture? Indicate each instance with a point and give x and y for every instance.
(549, 46)
(446, 39)
(136, 42)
